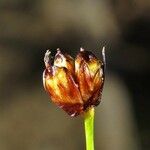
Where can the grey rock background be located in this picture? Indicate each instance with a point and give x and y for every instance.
(28, 120)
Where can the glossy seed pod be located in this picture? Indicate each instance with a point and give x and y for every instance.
(74, 85)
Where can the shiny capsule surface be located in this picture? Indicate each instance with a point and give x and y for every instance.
(74, 84)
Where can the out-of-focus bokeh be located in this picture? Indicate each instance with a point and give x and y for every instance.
(28, 120)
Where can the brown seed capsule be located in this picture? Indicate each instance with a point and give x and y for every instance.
(74, 85)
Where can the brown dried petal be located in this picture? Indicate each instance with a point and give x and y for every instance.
(90, 59)
(85, 81)
(63, 90)
(87, 70)
(98, 86)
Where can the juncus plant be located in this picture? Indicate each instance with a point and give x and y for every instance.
(76, 85)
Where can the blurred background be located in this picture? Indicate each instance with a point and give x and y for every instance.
(28, 120)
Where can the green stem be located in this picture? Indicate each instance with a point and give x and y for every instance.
(89, 128)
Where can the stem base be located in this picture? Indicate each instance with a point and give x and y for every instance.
(89, 128)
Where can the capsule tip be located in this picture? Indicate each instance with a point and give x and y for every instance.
(81, 49)
(58, 50)
(46, 58)
(103, 53)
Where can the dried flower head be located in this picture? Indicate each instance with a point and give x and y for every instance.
(74, 85)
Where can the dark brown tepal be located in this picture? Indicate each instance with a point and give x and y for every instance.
(74, 85)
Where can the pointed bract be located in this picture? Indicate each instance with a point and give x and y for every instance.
(89, 73)
(64, 60)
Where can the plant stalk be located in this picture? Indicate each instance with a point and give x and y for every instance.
(89, 128)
